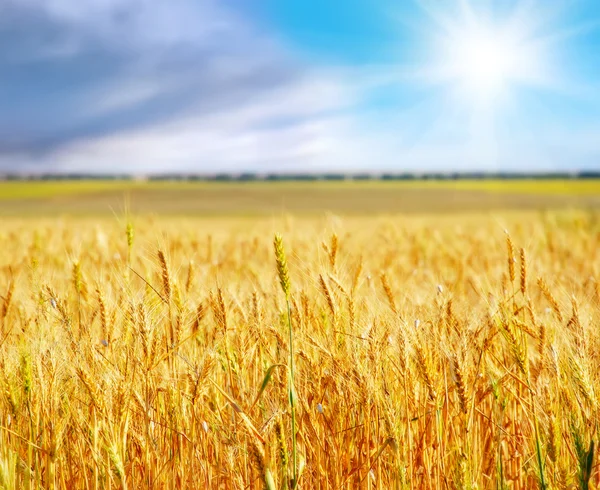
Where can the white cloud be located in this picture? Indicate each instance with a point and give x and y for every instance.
(289, 129)
(254, 138)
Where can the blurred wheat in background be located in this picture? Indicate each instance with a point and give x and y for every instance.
(156, 353)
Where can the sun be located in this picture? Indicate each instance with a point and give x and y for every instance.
(484, 63)
(486, 59)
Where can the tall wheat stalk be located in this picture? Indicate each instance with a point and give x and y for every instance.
(284, 280)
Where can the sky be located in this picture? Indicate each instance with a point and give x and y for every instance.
(207, 86)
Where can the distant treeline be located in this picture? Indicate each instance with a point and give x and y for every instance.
(305, 177)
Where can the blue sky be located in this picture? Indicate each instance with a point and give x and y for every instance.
(146, 86)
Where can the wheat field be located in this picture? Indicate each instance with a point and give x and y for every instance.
(388, 352)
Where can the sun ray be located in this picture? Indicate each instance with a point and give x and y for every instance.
(484, 58)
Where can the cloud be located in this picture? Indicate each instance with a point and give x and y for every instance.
(307, 133)
(280, 130)
(73, 71)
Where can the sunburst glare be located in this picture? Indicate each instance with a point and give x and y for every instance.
(483, 57)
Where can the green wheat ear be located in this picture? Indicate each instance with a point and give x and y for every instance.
(282, 267)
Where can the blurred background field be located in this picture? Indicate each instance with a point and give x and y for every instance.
(266, 198)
